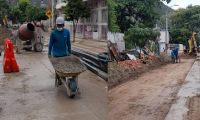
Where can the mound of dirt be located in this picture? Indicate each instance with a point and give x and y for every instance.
(121, 72)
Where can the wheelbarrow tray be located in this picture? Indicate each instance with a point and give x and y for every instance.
(67, 66)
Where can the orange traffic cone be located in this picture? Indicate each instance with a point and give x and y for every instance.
(6, 58)
(10, 64)
(7, 66)
(15, 67)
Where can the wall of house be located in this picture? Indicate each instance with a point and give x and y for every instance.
(94, 27)
(162, 42)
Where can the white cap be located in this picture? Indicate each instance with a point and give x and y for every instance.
(60, 20)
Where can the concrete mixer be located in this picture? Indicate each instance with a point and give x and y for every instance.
(29, 37)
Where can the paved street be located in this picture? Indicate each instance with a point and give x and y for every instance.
(31, 95)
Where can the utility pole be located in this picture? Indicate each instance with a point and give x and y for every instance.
(166, 27)
(166, 30)
(52, 8)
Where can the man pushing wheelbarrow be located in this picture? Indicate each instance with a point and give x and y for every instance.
(65, 64)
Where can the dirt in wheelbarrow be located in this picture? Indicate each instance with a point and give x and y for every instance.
(68, 65)
(150, 95)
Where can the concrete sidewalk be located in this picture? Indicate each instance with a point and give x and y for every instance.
(31, 95)
(188, 100)
(92, 46)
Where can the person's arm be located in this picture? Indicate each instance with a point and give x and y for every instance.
(69, 42)
(51, 42)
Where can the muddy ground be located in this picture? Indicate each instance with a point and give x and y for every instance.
(31, 94)
(149, 96)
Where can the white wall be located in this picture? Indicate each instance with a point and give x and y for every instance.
(117, 38)
(162, 47)
(163, 36)
(162, 42)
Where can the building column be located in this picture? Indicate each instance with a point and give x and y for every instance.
(99, 21)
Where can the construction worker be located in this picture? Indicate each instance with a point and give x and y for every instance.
(174, 55)
(59, 44)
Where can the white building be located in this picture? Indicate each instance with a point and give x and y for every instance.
(96, 26)
(164, 40)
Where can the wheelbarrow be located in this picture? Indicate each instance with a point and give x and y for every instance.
(67, 70)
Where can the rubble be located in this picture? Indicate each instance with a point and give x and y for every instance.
(120, 72)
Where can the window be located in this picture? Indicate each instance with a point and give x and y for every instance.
(104, 16)
(95, 28)
(103, 3)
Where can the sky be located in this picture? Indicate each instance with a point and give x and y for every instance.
(183, 3)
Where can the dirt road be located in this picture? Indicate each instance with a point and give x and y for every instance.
(31, 95)
(150, 96)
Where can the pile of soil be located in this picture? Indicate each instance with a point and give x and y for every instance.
(121, 72)
(69, 65)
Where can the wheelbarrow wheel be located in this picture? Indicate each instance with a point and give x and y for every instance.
(58, 81)
(72, 96)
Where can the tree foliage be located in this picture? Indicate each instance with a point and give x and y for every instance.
(75, 10)
(16, 14)
(34, 13)
(25, 11)
(137, 18)
(184, 22)
(112, 18)
(139, 37)
(22, 7)
(180, 36)
(136, 12)
(4, 9)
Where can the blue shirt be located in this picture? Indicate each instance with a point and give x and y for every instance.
(60, 44)
(174, 53)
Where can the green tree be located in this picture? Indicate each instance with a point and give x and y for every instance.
(41, 15)
(75, 10)
(34, 13)
(184, 22)
(180, 36)
(137, 12)
(137, 18)
(4, 9)
(15, 14)
(22, 5)
(139, 37)
(112, 18)
(25, 11)
(31, 12)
